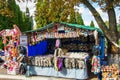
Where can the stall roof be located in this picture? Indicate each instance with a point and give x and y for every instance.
(69, 25)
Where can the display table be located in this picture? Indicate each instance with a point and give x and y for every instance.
(50, 71)
(71, 67)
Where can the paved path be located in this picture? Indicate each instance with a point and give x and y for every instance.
(6, 79)
(5, 76)
(19, 77)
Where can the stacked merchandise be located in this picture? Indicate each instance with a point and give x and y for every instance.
(73, 60)
(69, 60)
(42, 61)
(79, 55)
(110, 72)
(69, 46)
(12, 49)
(13, 67)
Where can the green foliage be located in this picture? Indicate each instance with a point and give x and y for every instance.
(4, 9)
(92, 24)
(48, 11)
(72, 18)
(118, 27)
(107, 23)
(18, 17)
(79, 19)
(1, 44)
(107, 4)
(75, 17)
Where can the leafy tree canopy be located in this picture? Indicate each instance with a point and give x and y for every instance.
(48, 11)
(92, 24)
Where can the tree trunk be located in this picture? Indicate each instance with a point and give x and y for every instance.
(113, 53)
(111, 32)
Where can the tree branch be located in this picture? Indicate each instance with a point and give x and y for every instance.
(112, 19)
(119, 34)
(98, 18)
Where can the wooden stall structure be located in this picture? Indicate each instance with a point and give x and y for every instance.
(62, 49)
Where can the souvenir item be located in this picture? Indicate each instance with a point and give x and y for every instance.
(36, 61)
(73, 62)
(110, 71)
(81, 64)
(58, 52)
(57, 44)
(66, 63)
(95, 65)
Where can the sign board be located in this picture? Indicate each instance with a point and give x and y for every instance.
(23, 40)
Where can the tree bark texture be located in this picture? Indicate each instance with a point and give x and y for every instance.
(111, 33)
(112, 20)
(101, 23)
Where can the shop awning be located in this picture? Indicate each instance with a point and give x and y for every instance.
(68, 25)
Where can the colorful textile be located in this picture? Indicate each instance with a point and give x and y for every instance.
(14, 54)
(38, 49)
(96, 65)
(17, 30)
(58, 63)
(58, 52)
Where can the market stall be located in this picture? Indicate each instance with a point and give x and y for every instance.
(12, 49)
(62, 49)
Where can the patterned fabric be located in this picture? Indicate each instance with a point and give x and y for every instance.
(58, 63)
(96, 64)
(58, 52)
(38, 49)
